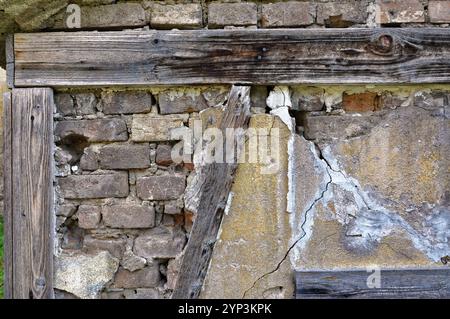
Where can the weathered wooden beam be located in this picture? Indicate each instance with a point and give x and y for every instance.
(212, 186)
(9, 50)
(277, 56)
(28, 180)
(7, 197)
(394, 283)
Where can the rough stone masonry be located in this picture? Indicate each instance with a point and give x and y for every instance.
(364, 176)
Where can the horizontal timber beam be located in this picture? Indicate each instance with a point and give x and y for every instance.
(374, 283)
(278, 56)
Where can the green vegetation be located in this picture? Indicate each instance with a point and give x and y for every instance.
(1, 257)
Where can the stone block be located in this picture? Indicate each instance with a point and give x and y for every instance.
(94, 186)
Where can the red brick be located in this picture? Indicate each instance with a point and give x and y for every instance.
(360, 102)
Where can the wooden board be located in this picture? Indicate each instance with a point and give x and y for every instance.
(213, 184)
(394, 283)
(30, 192)
(9, 50)
(267, 57)
(7, 197)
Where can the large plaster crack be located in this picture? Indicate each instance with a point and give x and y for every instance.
(304, 233)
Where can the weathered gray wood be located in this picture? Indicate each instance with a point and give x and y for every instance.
(7, 197)
(213, 183)
(277, 56)
(9, 50)
(32, 193)
(395, 283)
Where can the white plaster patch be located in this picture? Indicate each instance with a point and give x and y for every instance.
(373, 221)
(279, 97)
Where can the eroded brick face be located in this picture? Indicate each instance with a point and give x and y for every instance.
(94, 186)
(232, 14)
(96, 130)
(128, 216)
(439, 11)
(124, 156)
(126, 102)
(287, 14)
(163, 187)
(361, 102)
(182, 16)
(407, 11)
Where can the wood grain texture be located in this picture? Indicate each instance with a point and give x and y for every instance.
(395, 283)
(213, 182)
(9, 50)
(267, 57)
(7, 197)
(32, 193)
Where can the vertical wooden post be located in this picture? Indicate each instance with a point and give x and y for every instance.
(7, 202)
(9, 50)
(29, 193)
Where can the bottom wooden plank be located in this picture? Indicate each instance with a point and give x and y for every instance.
(374, 283)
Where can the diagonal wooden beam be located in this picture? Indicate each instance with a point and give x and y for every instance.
(267, 57)
(213, 184)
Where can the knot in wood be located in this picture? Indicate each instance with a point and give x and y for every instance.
(383, 45)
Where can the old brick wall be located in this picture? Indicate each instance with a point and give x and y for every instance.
(120, 208)
(121, 224)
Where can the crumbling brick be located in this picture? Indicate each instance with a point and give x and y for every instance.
(129, 216)
(163, 155)
(124, 156)
(88, 216)
(287, 14)
(89, 159)
(98, 130)
(439, 11)
(115, 15)
(406, 11)
(126, 102)
(361, 102)
(115, 246)
(232, 14)
(94, 186)
(181, 16)
(308, 100)
(151, 128)
(160, 242)
(163, 187)
(177, 101)
(147, 277)
(342, 14)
